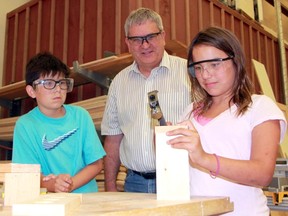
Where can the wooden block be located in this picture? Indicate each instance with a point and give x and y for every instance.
(21, 181)
(19, 187)
(56, 204)
(172, 168)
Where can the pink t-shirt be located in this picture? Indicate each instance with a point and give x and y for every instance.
(203, 120)
(230, 136)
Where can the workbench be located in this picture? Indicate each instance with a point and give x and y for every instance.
(123, 203)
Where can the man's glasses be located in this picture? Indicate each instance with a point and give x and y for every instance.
(195, 68)
(64, 84)
(139, 40)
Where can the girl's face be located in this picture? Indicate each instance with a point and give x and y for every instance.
(49, 101)
(216, 77)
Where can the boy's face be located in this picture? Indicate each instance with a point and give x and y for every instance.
(49, 101)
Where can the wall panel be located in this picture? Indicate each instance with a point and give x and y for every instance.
(206, 15)
(32, 33)
(85, 30)
(8, 53)
(59, 28)
(217, 16)
(195, 21)
(45, 27)
(20, 38)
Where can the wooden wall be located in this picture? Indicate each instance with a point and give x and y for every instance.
(84, 29)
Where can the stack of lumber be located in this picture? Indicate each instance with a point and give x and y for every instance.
(7, 127)
(95, 106)
(119, 181)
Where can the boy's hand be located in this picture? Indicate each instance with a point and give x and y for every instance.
(49, 177)
(61, 183)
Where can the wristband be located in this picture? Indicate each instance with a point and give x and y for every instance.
(215, 174)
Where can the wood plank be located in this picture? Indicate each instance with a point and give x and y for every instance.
(8, 167)
(172, 175)
(128, 204)
(13, 91)
(109, 66)
(101, 186)
(60, 204)
(278, 213)
(263, 79)
(177, 48)
(112, 65)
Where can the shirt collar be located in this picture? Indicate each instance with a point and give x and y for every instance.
(165, 63)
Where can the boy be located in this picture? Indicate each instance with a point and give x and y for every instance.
(61, 138)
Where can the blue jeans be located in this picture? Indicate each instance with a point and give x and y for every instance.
(138, 184)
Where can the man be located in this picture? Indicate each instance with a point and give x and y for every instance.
(127, 121)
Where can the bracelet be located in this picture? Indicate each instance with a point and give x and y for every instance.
(215, 174)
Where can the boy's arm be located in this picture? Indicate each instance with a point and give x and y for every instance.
(87, 174)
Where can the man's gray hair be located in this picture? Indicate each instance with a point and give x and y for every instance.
(140, 16)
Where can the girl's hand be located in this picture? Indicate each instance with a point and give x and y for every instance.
(187, 138)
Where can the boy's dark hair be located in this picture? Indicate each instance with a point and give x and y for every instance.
(44, 63)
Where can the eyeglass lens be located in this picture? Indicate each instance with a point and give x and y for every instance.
(211, 65)
(139, 40)
(51, 84)
(64, 84)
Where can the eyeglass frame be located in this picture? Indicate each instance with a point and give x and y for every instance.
(191, 68)
(42, 82)
(144, 38)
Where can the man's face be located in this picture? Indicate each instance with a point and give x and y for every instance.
(147, 51)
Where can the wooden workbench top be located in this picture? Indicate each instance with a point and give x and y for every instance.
(108, 203)
(123, 203)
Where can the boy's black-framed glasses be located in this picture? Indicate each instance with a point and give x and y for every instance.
(139, 40)
(64, 84)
